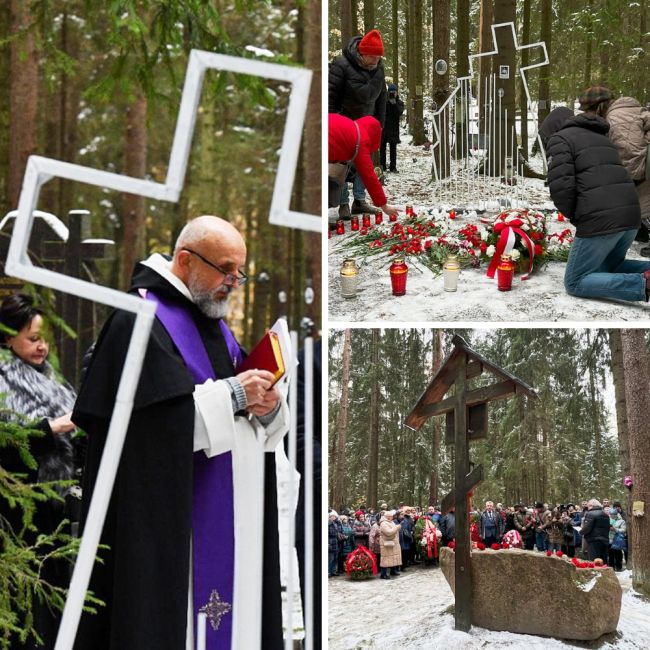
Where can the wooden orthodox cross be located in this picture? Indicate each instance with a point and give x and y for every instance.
(466, 420)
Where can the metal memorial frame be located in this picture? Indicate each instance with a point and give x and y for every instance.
(40, 170)
(442, 136)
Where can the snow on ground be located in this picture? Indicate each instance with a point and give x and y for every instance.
(413, 611)
(540, 298)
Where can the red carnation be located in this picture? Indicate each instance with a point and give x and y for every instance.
(483, 247)
(575, 560)
(538, 249)
(559, 554)
(560, 217)
(549, 553)
(496, 547)
(451, 545)
(591, 565)
(480, 546)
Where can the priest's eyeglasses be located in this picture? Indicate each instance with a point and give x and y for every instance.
(229, 278)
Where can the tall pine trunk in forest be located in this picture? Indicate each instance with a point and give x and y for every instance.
(637, 395)
(618, 376)
(462, 67)
(484, 63)
(418, 59)
(135, 165)
(436, 423)
(502, 138)
(523, 100)
(440, 89)
(368, 15)
(395, 32)
(312, 165)
(338, 496)
(586, 80)
(544, 94)
(373, 429)
(23, 98)
(347, 30)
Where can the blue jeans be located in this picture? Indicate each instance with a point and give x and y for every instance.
(541, 541)
(331, 567)
(358, 191)
(597, 268)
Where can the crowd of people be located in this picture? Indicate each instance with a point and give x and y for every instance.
(405, 536)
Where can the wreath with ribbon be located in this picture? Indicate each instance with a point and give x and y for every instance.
(360, 563)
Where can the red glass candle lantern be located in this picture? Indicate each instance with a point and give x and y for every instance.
(505, 273)
(398, 272)
(366, 221)
(355, 222)
(409, 210)
(393, 217)
(340, 227)
(379, 218)
(452, 214)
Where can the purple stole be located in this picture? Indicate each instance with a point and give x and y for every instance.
(213, 542)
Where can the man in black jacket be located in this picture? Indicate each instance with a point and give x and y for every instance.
(595, 529)
(590, 186)
(390, 133)
(357, 88)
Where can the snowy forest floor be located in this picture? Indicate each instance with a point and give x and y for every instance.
(540, 298)
(415, 610)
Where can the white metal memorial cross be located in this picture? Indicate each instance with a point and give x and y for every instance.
(40, 170)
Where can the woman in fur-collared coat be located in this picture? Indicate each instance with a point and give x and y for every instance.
(391, 553)
(34, 396)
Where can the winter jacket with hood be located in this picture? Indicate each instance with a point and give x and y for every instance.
(353, 90)
(342, 140)
(629, 130)
(588, 183)
(595, 526)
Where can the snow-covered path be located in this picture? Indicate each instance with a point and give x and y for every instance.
(413, 611)
(540, 298)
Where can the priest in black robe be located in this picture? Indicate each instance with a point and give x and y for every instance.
(184, 527)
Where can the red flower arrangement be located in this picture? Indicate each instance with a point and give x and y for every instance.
(360, 564)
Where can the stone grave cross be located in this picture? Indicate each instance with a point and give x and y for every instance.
(466, 420)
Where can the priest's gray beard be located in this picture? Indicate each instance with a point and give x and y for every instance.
(213, 303)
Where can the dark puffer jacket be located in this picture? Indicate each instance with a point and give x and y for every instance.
(394, 110)
(354, 91)
(588, 183)
(595, 526)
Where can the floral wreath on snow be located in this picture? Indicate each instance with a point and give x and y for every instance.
(431, 236)
(360, 563)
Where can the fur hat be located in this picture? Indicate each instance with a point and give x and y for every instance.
(594, 96)
(371, 44)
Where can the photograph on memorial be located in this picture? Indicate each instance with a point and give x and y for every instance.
(497, 478)
(160, 318)
(476, 144)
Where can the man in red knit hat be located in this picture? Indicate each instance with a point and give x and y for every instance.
(357, 88)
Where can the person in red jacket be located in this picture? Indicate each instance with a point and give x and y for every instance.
(342, 142)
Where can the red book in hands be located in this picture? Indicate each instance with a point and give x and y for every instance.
(266, 355)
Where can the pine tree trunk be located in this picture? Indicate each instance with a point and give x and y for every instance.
(23, 101)
(355, 17)
(347, 28)
(637, 395)
(435, 438)
(501, 141)
(395, 29)
(368, 15)
(484, 63)
(523, 100)
(312, 164)
(338, 498)
(545, 71)
(418, 56)
(133, 221)
(586, 81)
(373, 430)
(462, 66)
(410, 68)
(440, 89)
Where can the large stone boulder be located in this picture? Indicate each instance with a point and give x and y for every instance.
(529, 593)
